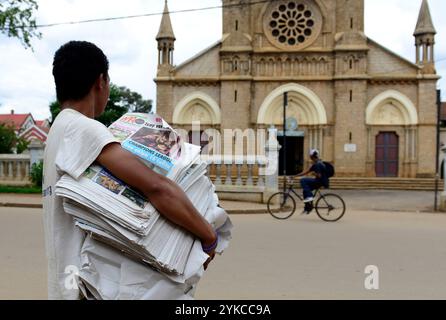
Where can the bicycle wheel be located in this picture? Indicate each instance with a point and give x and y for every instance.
(330, 207)
(281, 205)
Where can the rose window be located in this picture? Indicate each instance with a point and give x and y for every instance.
(293, 24)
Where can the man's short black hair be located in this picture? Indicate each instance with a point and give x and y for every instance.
(76, 66)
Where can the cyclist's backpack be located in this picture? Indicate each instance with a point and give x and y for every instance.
(329, 169)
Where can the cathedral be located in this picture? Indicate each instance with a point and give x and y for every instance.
(369, 111)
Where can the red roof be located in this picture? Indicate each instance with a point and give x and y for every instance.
(43, 125)
(44, 129)
(34, 132)
(17, 120)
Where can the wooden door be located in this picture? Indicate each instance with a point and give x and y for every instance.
(387, 151)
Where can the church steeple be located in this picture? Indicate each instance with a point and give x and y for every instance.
(424, 24)
(166, 41)
(425, 39)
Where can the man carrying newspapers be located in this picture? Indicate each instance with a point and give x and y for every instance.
(125, 211)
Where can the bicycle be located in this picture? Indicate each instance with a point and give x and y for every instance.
(329, 207)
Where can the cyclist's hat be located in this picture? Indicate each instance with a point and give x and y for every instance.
(314, 153)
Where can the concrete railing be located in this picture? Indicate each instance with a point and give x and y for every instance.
(14, 169)
(245, 178)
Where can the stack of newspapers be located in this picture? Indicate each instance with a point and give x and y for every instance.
(118, 215)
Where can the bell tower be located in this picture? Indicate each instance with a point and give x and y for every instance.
(425, 40)
(166, 43)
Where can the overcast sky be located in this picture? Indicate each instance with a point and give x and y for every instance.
(26, 83)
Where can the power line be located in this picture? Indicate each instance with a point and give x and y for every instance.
(234, 5)
(49, 25)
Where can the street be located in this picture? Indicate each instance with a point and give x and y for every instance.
(300, 258)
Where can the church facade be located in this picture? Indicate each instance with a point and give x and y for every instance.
(369, 111)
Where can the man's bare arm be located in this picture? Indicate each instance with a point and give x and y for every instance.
(304, 173)
(165, 195)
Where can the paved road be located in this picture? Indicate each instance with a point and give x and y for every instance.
(304, 258)
(301, 258)
(391, 200)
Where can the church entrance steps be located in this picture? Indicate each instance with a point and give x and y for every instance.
(382, 184)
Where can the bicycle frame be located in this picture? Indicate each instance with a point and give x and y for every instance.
(315, 194)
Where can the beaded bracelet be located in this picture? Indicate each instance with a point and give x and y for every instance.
(212, 247)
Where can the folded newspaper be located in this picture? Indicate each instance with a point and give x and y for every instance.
(119, 216)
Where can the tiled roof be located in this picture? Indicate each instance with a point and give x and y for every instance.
(16, 120)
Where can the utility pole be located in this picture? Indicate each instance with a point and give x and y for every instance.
(437, 158)
(285, 105)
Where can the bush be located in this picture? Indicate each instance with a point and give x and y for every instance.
(21, 145)
(22, 190)
(36, 174)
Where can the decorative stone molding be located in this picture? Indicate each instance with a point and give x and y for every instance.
(292, 24)
(282, 66)
(304, 105)
(391, 108)
(197, 106)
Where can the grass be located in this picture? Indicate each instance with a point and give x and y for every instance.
(22, 190)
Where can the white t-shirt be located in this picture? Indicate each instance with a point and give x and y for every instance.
(74, 142)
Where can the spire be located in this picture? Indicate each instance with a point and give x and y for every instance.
(166, 31)
(424, 24)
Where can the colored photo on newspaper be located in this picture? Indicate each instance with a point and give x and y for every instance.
(109, 182)
(162, 141)
(135, 197)
(157, 146)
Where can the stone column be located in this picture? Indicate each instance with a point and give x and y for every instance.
(413, 152)
(271, 171)
(321, 140)
(250, 162)
(370, 167)
(407, 148)
(216, 162)
(10, 170)
(239, 161)
(36, 149)
(418, 53)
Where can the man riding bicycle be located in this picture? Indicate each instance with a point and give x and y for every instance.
(319, 170)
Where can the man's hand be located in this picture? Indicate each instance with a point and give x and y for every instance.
(211, 257)
(208, 261)
(209, 249)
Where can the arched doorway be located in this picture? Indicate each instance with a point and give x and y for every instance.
(392, 121)
(307, 111)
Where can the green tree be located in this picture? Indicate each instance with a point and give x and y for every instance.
(121, 101)
(36, 174)
(17, 21)
(7, 138)
(55, 110)
(21, 145)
